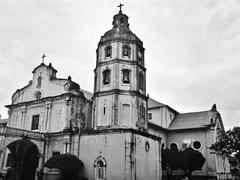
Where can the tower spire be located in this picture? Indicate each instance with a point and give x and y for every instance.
(120, 8)
(43, 56)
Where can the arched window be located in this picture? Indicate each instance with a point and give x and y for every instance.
(126, 76)
(126, 51)
(39, 81)
(100, 168)
(173, 146)
(108, 51)
(106, 76)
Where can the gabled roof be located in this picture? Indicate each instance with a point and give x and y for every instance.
(153, 103)
(192, 120)
(42, 64)
(87, 94)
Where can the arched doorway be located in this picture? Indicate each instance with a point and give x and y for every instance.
(24, 159)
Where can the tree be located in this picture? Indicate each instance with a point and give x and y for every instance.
(188, 160)
(68, 164)
(191, 160)
(228, 143)
(170, 160)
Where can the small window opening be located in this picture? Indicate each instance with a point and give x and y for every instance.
(35, 122)
(104, 110)
(106, 76)
(126, 76)
(108, 51)
(149, 116)
(38, 95)
(126, 50)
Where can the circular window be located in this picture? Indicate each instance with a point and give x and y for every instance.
(67, 86)
(147, 146)
(196, 144)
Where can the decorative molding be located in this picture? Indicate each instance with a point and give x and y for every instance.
(130, 41)
(118, 91)
(113, 61)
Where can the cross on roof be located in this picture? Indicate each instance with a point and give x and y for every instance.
(43, 56)
(120, 6)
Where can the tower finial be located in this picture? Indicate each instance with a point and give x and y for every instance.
(214, 108)
(120, 7)
(43, 56)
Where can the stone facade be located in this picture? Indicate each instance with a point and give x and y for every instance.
(117, 132)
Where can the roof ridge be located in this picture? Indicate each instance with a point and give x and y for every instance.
(193, 112)
(157, 101)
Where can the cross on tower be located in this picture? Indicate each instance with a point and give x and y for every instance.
(43, 56)
(120, 6)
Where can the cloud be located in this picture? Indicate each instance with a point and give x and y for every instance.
(192, 47)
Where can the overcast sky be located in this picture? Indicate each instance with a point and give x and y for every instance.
(192, 48)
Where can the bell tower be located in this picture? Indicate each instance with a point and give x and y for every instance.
(119, 99)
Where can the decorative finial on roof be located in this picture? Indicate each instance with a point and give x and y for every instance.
(214, 108)
(69, 78)
(43, 56)
(120, 8)
(50, 65)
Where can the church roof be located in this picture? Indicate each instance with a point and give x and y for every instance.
(44, 65)
(153, 103)
(87, 94)
(191, 120)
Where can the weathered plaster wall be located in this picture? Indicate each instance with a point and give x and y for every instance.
(205, 137)
(124, 153)
(161, 116)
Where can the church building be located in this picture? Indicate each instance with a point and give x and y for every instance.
(117, 131)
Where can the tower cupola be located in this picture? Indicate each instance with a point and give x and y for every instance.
(120, 30)
(120, 20)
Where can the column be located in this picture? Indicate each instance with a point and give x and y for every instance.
(67, 118)
(48, 108)
(23, 117)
